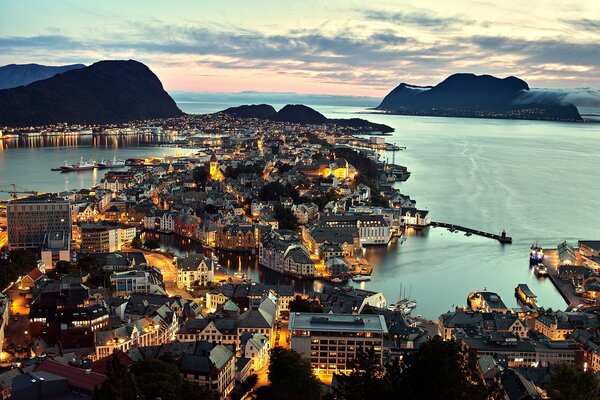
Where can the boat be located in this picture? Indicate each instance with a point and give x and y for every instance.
(337, 280)
(404, 305)
(536, 255)
(361, 278)
(80, 166)
(540, 270)
(525, 295)
(114, 163)
(468, 234)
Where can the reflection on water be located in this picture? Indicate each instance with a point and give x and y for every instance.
(96, 141)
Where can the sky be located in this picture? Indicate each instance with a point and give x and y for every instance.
(328, 47)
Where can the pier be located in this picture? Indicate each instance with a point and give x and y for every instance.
(502, 238)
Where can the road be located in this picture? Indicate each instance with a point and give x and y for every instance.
(3, 232)
(16, 333)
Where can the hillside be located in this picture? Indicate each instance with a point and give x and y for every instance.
(105, 92)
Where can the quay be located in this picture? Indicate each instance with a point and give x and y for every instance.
(565, 288)
(502, 238)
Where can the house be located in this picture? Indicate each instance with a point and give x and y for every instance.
(194, 270)
(32, 277)
(255, 346)
(147, 281)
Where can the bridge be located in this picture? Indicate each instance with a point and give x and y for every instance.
(502, 238)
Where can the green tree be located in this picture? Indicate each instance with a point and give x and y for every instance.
(201, 175)
(151, 244)
(120, 384)
(300, 304)
(64, 267)
(568, 382)
(285, 217)
(136, 243)
(367, 379)
(290, 374)
(441, 370)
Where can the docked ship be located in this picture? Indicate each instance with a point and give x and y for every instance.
(540, 270)
(114, 163)
(361, 278)
(404, 306)
(80, 166)
(536, 255)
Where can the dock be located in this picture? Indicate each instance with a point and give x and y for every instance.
(502, 238)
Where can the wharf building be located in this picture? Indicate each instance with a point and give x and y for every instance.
(331, 341)
(30, 219)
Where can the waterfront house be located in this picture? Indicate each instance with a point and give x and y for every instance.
(194, 270)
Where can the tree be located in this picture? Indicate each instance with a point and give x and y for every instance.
(63, 267)
(290, 374)
(18, 263)
(568, 382)
(120, 384)
(285, 217)
(151, 244)
(201, 175)
(439, 370)
(366, 379)
(300, 304)
(136, 243)
(160, 378)
(243, 388)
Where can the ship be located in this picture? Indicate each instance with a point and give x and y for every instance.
(536, 255)
(80, 166)
(361, 278)
(114, 163)
(540, 270)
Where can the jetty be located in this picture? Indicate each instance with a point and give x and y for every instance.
(502, 238)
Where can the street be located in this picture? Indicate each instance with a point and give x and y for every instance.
(17, 333)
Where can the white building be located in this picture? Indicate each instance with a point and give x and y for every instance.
(194, 270)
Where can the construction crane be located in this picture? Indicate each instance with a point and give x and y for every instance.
(14, 192)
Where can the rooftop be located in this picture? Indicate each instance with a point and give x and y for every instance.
(337, 322)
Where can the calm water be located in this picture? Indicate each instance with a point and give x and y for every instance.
(27, 162)
(537, 180)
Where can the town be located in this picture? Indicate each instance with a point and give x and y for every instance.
(87, 284)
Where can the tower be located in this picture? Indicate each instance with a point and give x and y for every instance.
(214, 165)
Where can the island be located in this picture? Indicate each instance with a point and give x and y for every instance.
(301, 114)
(477, 96)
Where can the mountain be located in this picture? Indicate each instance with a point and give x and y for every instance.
(260, 111)
(301, 114)
(14, 75)
(469, 95)
(105, 92)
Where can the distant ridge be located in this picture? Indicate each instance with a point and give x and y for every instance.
(103, 93)
(14, 75)
(469, 95)
(301, 114)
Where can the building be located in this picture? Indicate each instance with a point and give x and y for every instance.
(57, 247)
(235, 238)
(105, 237)
(373, 230)
(30, 219)
(331, 341)
(526, 352)
(194, 270)
(144, 282)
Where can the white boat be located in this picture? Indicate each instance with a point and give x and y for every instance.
(361, 278)
(80, 166)
(337, 280)
(114, 163)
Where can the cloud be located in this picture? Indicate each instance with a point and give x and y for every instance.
(420, 19)
(591, 25)
(580, 97)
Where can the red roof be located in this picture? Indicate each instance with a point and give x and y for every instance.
(35, 274)
(77, 377)
(100, 365)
